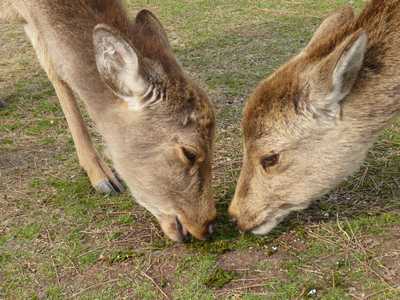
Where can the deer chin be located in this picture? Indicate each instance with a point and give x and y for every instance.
(265, 227)
(271, 221)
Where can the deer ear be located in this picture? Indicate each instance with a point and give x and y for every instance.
(119, 64)
(330, 25)
(152, 29)
(338, 73)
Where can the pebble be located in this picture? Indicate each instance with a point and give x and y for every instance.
(312, 292)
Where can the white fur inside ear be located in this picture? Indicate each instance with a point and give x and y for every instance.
(138, 103)
(135, 102)
(347, 70)
(130, 73)
(119, 65)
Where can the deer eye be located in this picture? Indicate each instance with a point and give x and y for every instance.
(270, 161)
(189, 155)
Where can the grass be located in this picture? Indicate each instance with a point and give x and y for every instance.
(60, 240)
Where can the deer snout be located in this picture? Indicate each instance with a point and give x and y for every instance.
(243, 220)
(173, 228)
(234, 212)
(235, 216)
(179, 229)
(202, 231)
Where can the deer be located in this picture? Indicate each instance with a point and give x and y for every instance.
(310, 124)
(157, 123)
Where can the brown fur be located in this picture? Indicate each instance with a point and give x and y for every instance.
(145, 145)
(318, 147)
(281, 91)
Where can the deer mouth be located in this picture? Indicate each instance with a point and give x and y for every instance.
(183, 234)
(174, 228)
(178, 229)
(266, 225)
(276, 216)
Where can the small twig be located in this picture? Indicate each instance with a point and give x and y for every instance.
(156, 285)
(249, 287)
(245, 270)
(92, 250)
(52, 259)
(383, 279)
(92, 287)
(319, 237)
(250, 279)
(341, 228)
(303, 291)
(55, 270)
(352, 232)
(316, 272)
(356, 297)
(377, 293)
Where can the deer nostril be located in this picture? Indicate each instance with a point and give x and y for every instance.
(210, 231)
(234, 221)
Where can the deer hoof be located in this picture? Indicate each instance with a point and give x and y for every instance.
(3, 104)
(109, 187)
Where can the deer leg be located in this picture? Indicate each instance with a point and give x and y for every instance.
(100, 175)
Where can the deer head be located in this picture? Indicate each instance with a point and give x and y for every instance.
(161, 138)
(298, 137)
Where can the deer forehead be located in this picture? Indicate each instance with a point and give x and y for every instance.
(275, 99)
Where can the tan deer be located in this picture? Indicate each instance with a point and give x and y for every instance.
(158, 125)
(310, 124)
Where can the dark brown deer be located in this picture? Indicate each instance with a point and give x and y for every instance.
(310, 124)
(158, 125)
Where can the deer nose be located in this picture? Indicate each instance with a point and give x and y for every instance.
(235, 222)
(234, 216)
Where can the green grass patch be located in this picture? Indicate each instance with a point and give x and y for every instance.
(219, 278)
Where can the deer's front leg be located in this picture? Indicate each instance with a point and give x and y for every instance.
(100, 175)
